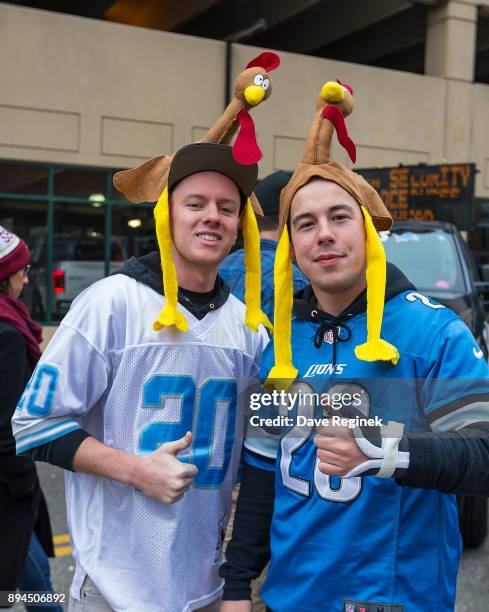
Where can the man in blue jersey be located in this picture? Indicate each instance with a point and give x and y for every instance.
(353, 501)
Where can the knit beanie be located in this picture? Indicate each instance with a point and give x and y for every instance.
(14, 254)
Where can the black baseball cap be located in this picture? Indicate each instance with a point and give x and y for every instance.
(268, 191)
(214, 157)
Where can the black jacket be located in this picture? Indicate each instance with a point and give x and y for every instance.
(17, 473)
(22, 504)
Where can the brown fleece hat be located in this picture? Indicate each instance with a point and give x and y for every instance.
(352, 182)
(333, 105)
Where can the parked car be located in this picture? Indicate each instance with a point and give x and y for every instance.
(77, 263)
(436, 259)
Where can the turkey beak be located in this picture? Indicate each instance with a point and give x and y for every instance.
(332, 92)
(254, 94)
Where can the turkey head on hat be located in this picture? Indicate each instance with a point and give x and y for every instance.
(333, 105)
(149, 182)
(251, 87)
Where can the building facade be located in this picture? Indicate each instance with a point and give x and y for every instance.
(81, 98)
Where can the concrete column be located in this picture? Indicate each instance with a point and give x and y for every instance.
(450, 41)
(459, 122)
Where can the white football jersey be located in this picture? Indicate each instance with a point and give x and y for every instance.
(108, 372)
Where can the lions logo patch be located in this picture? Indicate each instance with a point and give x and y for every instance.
(329, 337)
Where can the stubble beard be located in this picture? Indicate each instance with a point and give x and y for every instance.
(345, 282)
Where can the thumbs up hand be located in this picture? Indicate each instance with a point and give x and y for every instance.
(338, 451)
(162, 476)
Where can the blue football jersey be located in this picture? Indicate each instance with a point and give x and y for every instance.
(354, 542)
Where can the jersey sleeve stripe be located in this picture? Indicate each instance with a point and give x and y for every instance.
(462, 417)
(478, 425)
(461, 402)
(45, 435)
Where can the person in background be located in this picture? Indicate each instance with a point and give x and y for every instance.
(24, 520)
(232, 268)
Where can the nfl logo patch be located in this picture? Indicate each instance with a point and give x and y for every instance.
(328, 337)
(349, 607)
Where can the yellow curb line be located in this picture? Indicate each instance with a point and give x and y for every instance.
(61, 539)
(62, 551)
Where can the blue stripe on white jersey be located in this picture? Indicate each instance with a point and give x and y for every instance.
(45, 434)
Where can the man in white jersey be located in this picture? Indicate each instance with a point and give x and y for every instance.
(114, 402)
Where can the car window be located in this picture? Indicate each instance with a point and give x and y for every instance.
(62, 250)
(76, 249)
(94, 250)
(428, 257)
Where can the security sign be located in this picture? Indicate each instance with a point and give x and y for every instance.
(443, 192)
